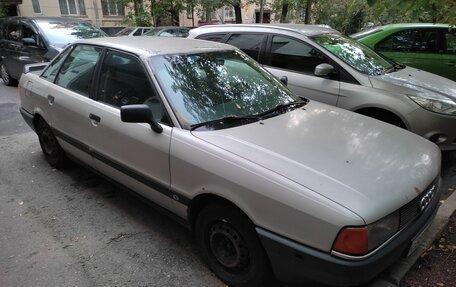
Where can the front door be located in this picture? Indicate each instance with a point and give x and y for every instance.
(297, 61)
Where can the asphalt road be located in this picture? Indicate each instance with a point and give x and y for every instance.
(72, 228)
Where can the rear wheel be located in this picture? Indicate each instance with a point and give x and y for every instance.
(6, 77)
(230, 246)
(51, 148)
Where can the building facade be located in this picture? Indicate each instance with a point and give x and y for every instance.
(109, 16)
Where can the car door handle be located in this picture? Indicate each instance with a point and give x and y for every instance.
(22, 58)
(51, 99)
(94, 118)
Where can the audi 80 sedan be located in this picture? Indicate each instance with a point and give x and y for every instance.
(266, 180)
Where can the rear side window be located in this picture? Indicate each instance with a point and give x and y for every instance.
(77, 70)
(212, 37)
(416, 40)
(290, 54)
(51, 71)
(248, 43)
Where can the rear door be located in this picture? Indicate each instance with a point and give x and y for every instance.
(68, 100)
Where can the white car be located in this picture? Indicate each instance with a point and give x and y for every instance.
(323, 65)
(267, 180)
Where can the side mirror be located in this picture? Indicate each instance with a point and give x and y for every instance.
(139, 114)
(284, 80)
(323, 70)
(29, 41)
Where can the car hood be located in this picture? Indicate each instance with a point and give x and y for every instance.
(412, 81)
(365, 165)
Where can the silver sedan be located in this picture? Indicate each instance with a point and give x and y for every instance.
(267, 180)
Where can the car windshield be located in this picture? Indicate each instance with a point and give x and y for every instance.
(358, 56)
(206, 87)
(125, 31)
(61, 33)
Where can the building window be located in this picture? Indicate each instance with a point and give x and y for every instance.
(228, 13)
(72, 7)
(36, 6)
(111, 8)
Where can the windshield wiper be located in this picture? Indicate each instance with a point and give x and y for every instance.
(225, 120)
(275, 110)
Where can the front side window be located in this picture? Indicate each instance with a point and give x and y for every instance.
(248, 43)
(77, 71)
(13, 32)
(417, 40)
(72, 7)
(290, 54)
(36, 6)
(112, 8)
(124, 81)
(450, 40)
(210, 86)
(354, 54)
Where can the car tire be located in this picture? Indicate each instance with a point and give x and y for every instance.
(51, 148)
(6, 77)
(230, 246)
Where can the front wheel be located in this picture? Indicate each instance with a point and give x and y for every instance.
(6, 77)
(230, 246)
(51, 148)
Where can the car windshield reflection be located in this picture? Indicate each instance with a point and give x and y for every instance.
(356, 55)
(209, 86)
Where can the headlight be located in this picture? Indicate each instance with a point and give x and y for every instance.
(436, 103)
(362, 240)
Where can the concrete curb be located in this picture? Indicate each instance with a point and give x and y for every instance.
(398, 270)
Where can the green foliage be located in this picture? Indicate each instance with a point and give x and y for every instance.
(2, 10)
(402, 11)
(347, 16)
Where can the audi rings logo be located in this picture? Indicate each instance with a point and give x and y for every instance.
(426, 199)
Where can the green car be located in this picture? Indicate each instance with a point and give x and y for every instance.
(430, 47)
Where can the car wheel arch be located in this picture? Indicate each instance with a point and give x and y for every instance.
(202, 200)
(383, 115)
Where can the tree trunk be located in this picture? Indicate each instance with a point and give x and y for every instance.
(308, 8)
(261, 10)
(283, 16)
(238, 12)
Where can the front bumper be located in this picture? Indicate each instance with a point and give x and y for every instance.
(438, 128)
(295, 263)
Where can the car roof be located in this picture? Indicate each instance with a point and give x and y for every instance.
(308, 30)
(149, 46)
(47, 19)
(413, 25)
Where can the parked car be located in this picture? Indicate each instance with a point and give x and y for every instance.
(26, 40)
(133, 31)
(265, 179)
(323, 65)
(429, 47)
(169, 31)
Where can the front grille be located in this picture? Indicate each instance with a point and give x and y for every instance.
(412, 209)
